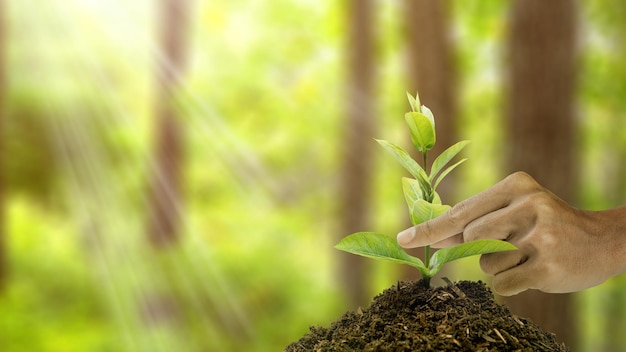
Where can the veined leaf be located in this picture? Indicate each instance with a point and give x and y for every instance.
(422, 131)
(468, 249)
(424, 211)
(379, 246)
(427, 188)
(404, 158)
(412, 191)
(447, 171)
(445, 157)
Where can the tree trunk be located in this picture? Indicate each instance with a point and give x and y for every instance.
(356, 182)
(431, 72)
(3, 89)
(541, 126)
(165, 202)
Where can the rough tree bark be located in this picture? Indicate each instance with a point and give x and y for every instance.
(541, 126)
(164, 214)
(431, 72)
(356, 181)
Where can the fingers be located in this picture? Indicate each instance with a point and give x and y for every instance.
(450, 241)
(513, 271)
(455, 220)
(497, 225)
(512, 282)
(520, 278)
(496, 263)
(502, 224)
(533, 272)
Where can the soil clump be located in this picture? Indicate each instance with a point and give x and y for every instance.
(461, 316)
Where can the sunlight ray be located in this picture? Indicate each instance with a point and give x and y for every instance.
(86, 169)
(238, 158)
(107, 87)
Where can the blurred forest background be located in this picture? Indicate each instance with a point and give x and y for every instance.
(175, 173)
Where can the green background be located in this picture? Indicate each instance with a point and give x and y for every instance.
(263, 108)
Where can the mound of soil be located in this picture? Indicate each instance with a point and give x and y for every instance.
(462, 316)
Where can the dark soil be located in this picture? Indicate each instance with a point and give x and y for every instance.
(459, 317)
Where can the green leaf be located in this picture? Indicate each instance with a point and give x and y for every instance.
(424, 211)
(447, 171)
(436, 198)
(427, 189)
(426, 111)
(445, 157)
(468, 249)
(422, 131)
(414, 103)
(379, 246)
(412, 191)
(404, 158)
(417, 102)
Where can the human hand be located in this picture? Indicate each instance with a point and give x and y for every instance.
(560, 248)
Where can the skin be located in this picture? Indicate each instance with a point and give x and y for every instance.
(560, 248)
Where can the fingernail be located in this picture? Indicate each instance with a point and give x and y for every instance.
(406, 236)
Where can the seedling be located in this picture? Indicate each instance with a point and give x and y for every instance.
(422, 199)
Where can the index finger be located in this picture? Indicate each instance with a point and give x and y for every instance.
(456, 219)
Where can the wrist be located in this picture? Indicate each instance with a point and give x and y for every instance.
(611, 226)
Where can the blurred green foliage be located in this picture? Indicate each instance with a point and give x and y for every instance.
(262, 109)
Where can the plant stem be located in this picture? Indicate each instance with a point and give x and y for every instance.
(427, 264)
(427, 248)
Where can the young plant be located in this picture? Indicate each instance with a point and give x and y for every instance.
(422, 199)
